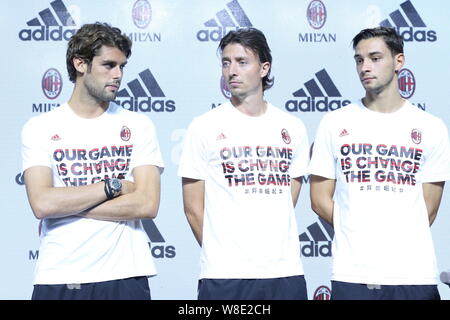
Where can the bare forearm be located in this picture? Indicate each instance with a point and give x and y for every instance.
(324, 209)
(194, 205)
(65, 201)
(196, 224)
(321, 192)
(296, 186)
(432, 193)
(138, 200)
(130, 206)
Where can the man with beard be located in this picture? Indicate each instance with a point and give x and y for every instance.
(90, 203)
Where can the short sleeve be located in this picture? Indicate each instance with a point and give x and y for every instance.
(437, 163)
(34, 147)
(147, 147)
(300, 162)
(193, 160)
(323, 160)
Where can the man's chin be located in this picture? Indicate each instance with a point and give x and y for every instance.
(373, 89)
(110, 97)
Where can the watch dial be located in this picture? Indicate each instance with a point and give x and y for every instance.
(116, 184)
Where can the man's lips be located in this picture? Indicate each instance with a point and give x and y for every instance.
(367, 79)
(234, 83)
(113, 86)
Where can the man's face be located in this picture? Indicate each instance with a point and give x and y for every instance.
(242, 70)
(376, 66)
(103, 75)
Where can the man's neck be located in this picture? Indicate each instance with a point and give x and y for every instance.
(251, 106)
(85, 106)
(384, 102)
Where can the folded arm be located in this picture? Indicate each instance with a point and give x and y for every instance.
(47, 201)
(136, 201)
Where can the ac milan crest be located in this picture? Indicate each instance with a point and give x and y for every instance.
(125, 133)
(416, 136)
(316, 14)
(52, 83)
(322, 293)
(142, 14)
(224, 88)
(285, 136)
(406, 83)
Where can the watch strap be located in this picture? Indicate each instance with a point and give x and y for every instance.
(108, 189)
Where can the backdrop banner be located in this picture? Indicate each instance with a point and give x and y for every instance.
(174, 75)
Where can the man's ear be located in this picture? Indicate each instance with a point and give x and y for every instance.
(80, 65)
(265, 67)
(399, 61)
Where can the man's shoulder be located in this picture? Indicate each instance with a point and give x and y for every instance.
(278, 115)
(118, 111)
(279, 112)
(424, 117)
(338, 115)
(213, 115)
(46, 119)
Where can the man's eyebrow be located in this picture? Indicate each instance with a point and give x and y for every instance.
(112, 60)
(236, 58)
(370, 54)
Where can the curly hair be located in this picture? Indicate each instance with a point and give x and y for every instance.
(89, 39)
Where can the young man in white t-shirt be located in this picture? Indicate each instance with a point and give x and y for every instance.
(241, 170)
(377, 175)
(92, 171)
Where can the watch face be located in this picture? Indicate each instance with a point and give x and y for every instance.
(116, 184)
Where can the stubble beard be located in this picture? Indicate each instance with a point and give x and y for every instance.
(100, 94)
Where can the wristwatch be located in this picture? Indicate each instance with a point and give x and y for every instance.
(113, 187)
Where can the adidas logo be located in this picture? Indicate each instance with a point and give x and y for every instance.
(49, 25)
(141, 99)
(55, 138)
(317, 241)
(317, 100)
(343, 133)
(415, 21)
(158, 251)
(220, 137)
(233, 18)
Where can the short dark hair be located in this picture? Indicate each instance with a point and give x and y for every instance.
(253, 39)
(392, 39)
(88, 40)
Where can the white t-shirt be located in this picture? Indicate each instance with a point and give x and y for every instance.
(379, 161)
(83, 151)
(247, 163)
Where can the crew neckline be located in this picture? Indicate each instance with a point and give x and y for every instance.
(254, 118)
(400, 111)
(79, 118)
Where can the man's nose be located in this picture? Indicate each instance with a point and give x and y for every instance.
(232, 70)
(366, 65)
(117, 72)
